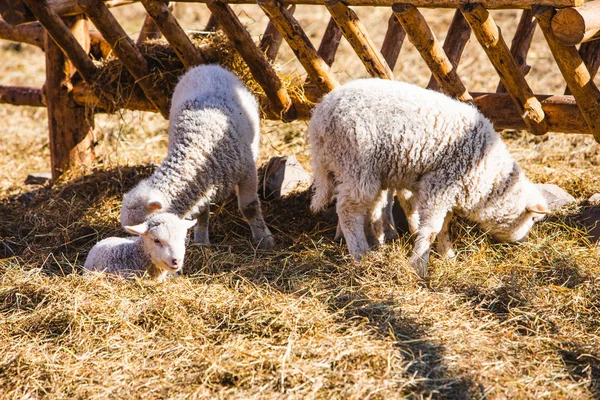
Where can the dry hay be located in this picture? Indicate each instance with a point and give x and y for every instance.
(116, 86)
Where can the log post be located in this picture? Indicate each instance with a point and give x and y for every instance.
(22, 96)
(574, 72)
(577, 25)
(330, 42)
(356, 34)
(149, 31)
(590, 54)
(173, 32)
(292, 32)
(392, 42)
(70, 127)
(459, 34)
(487, 33)
(422, 38)
(31, 33)
(271, 39)
(521, 43)
(261, 69)
(63, 36)
(212, 25)
(127, 52)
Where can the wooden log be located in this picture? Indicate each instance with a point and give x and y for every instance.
(99, 47)
(18, 12)
(356, 34)
(31, 33)
(330, 42)
(22, 96)
(70, 127)
(459, 34)
(173, 32)
(590, 54)
(261, 69)
(521, 43)
(422, 38)
(574, 72)
(487, 33)
(149, 31)
(212, 25)
(317, 69)
(63, 36)
(392, 42)
(126, 50)
(272, 38)
(577, 25)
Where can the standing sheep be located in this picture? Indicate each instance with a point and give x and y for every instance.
(442, 155)
(158, 250)
(213, 147)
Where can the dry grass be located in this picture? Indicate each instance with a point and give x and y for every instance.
(303, 320)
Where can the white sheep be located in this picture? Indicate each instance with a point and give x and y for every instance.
(213, 147)
(158, 249)
(441, 155)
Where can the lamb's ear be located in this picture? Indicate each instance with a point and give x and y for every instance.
(154, 205)
(189, 223)
(138, 230)
(538, 209)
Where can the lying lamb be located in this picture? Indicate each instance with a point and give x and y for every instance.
(158, 250)
(213, 146)
(444, 156)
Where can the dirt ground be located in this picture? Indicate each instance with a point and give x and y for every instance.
(303, 320)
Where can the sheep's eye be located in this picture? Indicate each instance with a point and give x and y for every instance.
(157, 241)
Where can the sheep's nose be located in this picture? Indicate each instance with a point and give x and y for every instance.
(175, 262)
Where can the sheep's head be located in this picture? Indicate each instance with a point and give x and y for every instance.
(140, 203)
(524, 205)
(163, 237)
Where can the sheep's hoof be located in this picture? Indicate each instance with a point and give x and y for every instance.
(201, 237)
(449, 254)
(266, 243)
(420, 267)
(390, 234)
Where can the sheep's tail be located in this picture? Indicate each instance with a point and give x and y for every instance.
(324, 185)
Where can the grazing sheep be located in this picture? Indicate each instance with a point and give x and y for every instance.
(158, 249)
(213, 146)
(441, 155)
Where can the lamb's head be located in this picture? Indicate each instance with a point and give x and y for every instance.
(517, 209)
(140, 203)
(163, 238)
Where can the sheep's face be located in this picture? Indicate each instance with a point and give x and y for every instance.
(515, 226)
(140, 203)
(164, 237)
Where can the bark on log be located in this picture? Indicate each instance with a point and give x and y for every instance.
(22, 96)
(459, 34)
(317, 69)
(261, 69)
(63, 36)
(489, 4)
(392, 42)
(70, 127)
(173, 32)
(272, 38)
(32, 33)
(590, 54)
(212, 25)
(575, 73)
(126, 50)
(18, 12)
(149, 31)
(577, 25)
(430, 49)
(487, 33)
(330, 42)
(521, 43)
(356, 34)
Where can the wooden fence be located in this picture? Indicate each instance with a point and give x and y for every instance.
(73, 92)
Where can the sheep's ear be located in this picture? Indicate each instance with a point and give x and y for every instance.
(538, 209)
(189, 223)
(154, 205)
(138, 230)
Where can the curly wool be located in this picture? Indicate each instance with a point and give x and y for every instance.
(372, 135)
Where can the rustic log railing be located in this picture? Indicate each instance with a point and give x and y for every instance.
(60, 28)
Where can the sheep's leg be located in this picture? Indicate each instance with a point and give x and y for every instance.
(201, 228)
(249, 205)
(389, 225)
(407, 202)
(444, 243)
(430, 225)
(338, 232)
(352, 219)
